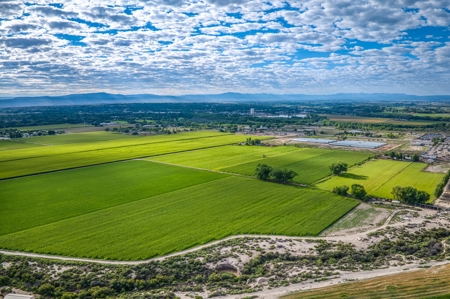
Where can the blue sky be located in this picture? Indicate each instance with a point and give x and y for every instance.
(214, 46)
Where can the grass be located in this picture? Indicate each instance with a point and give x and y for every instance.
(139, 209)
(311, 164)
(429, 283)
(223, 157)
(44, 199)
(77, 138)
(380, 176)
(52, 127)
(7, 145)
(53, 160)
(377, 120)
(359, 217)
(107, 144)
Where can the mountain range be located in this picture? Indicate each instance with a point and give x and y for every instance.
(107, 98)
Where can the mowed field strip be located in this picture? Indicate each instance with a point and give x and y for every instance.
(8, 145)
(311, 164)
(418, 284)
(18, 163)
(134, 210)
(380, 176)
(79, 138)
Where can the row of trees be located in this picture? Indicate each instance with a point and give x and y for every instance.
(401, 156)
(265, 172)
(410, 195)
(440, 187)
(357, 191)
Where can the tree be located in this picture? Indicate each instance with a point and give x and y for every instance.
(410, 195)
(341, 190)
(263, 171)
(338, 168)
(283, 175)
(415, 158)
(358, 191)
(399, 156)
(396, 192)
(392, 155)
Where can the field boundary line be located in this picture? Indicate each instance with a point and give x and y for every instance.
(393, 176)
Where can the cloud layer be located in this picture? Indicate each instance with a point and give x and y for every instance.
(211, 46)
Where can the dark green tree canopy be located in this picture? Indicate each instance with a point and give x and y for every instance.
(263, 171)
(338, 168)
(410, 195)
(358, 191)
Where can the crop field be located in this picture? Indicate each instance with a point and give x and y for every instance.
(377, 120)
(420, 284)
(140, 209)
(53, 159)
(100, 145)
(53, 127)
(225, 156)
(420, 114)
(7, 145)
(311, 164)
(40, 199)
(380, 176)
(77, 138)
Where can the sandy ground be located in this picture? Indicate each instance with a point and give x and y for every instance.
(443, 168)
(343, 278)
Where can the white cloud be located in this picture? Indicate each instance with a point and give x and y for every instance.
(184, 46)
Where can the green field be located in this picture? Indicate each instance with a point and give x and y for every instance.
(77, 138)
(32, 161)
(311, 164)
(7, 145)
(52, 127)
(108, 144)
(139, 209)
(223, 157)
(380, 176)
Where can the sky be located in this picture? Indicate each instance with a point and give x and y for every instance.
(214, 46)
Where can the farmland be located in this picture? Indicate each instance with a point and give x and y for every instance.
(44, 159)
(78, 138)
(379, 177)
(376, 120)
(152, 209)
(7, 145)
(425, 283)
(311, 164)
(54, 127)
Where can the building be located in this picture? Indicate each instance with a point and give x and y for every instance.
(18, 296)
(252, 111)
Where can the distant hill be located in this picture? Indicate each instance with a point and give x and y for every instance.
(107, 98)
